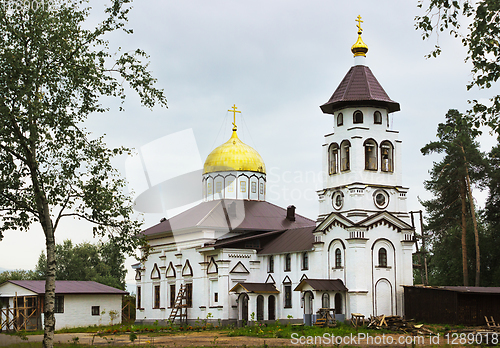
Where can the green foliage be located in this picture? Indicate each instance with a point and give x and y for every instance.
(19, 274)
(481, 38)
(462, 158)
(102, 262)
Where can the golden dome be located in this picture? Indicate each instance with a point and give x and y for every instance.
(359, 48)
(234, 155)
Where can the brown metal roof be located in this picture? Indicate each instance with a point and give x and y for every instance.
(69, 287)
(322, 284)
(359, 87)
(258, 288)
(259, 216)
(298, 239)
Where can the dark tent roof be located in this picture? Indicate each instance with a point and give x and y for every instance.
(360, 88)
(258, 216)
(259, 288)
(323, 284)
(69, 287)
(298, 239)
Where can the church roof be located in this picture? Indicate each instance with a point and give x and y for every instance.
(258, 288)
(359, 88)
(322, 284)
(252, 216)
(299, 239)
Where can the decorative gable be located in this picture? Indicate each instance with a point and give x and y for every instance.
(270, 280)
(240, 268)
(187, 270)
(303, 277)
(137, 274)
(155, 273)
(170, 271)
(212, 267)
(287, 280)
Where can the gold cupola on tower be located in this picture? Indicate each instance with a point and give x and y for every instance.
(359, 48)
(234, 155)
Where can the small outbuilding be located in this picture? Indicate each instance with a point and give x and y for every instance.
(78, 303)
(465, 305)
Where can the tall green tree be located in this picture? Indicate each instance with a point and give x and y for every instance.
(492, 218)
(53, 74)
(102, 262)
(481, 38)
(453, 207)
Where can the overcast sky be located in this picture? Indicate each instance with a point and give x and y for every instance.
(278, 61)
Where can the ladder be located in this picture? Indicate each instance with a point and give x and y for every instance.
(178, 305)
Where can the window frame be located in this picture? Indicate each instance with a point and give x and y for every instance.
(270, 265)
(377, 120)
(173, 295)
(382, 257)
(288, 262)
(357, 117)
(95, 310)
(390, 157)
(59, 304)
(156, 296)
(338, 258)
(189, 295)
(333, 155)
(305, 261)
(371, 152)
(288, 296)
(340, 119)
(345, 146)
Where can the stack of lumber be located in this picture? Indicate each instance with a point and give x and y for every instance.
(396, 323)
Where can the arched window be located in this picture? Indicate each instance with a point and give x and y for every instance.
(377, 117)
(305, 261)
(344, 155)
(288, 262)
(371, 161)
(357, 117)
(333, 154)
(340, 119)
(271, 264)
(387, 153)
(338, 258)
(325, 300)
(382, 257)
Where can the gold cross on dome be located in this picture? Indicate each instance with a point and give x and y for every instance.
(234, 111)
(359, 23)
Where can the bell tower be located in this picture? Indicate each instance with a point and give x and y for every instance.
(362, 156)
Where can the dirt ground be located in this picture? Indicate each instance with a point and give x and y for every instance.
(219, 339)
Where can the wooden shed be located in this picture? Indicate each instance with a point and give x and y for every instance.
(465, 305)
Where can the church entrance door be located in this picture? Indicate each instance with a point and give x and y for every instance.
(260, 307)
(244, 308)
(271, 308)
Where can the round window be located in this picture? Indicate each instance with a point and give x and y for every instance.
(338, 200)
(381, 199)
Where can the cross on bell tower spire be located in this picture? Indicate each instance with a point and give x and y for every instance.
(234, 111)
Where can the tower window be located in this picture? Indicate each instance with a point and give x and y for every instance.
(344, 155)
(254, 187)
(338, 258)
(230, 187)
(382, 257)
(209, 188)
(340, 119)
(370, 155)
(261, 188)
(338, 200)
(243, 186)
(386, 151)
(358, 117)
(333, 154)
(377, 117)
(218, 187)
(381, 199)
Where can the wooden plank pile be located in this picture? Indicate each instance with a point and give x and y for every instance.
(396, 323)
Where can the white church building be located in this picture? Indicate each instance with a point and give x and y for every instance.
(236, 257)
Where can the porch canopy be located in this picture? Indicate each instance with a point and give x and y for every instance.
(256, 288)
(321, 285)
